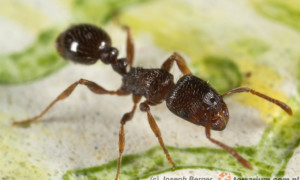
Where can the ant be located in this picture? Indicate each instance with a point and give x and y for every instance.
(190, 98)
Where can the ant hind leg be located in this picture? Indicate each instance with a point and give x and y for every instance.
(129, 45)
(91, 85)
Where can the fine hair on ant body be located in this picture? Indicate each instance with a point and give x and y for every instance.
(190, 98)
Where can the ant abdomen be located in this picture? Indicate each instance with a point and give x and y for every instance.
(86, 44)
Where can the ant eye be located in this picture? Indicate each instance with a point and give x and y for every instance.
(83, 43)
(210, 99)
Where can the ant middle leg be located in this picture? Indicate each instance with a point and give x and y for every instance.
(145, 108)
(95, 88)
(284, 106)
(126, 117)
(239, 158)
(167, 65)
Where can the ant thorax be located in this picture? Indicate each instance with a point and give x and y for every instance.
(153, 84)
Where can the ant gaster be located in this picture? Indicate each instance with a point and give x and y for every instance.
(190, 98)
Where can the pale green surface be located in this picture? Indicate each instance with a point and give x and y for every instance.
(222, 52)
(41, 58)
(224, 67)
(15, 161)
(36, 61)
(268, 158)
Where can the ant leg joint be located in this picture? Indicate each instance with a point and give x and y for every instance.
(144, 107)
(126, 117)
(175, 55)
(82, 81)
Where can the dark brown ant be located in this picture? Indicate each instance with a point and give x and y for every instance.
(191, 98)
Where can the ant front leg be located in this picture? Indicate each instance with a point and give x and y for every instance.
(284, 106)
(240, 159)
(126, 117)
(145, 108)
(95, 88)
(179, 61)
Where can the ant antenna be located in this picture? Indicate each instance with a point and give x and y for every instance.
(285, 107)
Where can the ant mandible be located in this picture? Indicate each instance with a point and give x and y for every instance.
(190, 98)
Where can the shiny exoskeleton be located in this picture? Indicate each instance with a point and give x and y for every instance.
(190, 98)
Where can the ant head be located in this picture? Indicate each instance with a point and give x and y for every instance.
(86, 44)
(196, 101)
(220, 120)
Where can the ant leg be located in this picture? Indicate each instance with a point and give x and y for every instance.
(284, 106)
(239, 158)
(129, 45)
(179, 61)
(126, 117)
(145, 107)
(91, 85)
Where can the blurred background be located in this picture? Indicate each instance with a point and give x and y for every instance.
(252, 43)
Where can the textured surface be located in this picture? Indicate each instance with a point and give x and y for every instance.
(232, 43)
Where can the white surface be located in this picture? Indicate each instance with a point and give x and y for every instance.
(82, 131)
